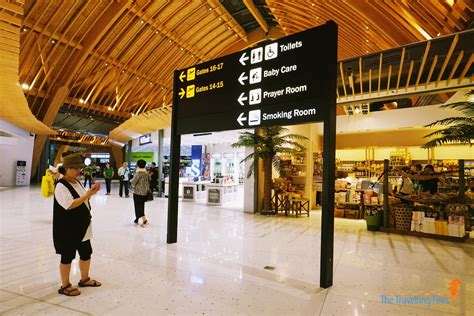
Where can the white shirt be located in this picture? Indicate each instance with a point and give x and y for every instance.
(55, 170)
(124, 172)
(65, 199)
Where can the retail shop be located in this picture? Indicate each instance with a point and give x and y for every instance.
(210, 170)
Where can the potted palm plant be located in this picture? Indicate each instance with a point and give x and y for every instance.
(458, 129)
(267, 143)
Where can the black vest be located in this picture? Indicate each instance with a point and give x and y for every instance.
(69, 226)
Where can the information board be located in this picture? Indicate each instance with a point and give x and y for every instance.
(280, 82)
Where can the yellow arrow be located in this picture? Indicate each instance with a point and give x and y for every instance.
(181, 93)
(182, 76)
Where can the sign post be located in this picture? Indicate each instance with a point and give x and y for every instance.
(285, 82)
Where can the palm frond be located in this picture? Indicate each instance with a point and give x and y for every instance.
(449, 139)
(452, 120)
(277, 164)
(250, 171)
(465, 107)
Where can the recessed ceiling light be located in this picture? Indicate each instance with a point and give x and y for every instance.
(81, 101)
(25, 86)
(106, 64)
(25, 29)
(142, 21)
(109, 108)
(53, 42)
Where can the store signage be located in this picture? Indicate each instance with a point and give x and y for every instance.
(283, 82)
(145, 139)
(214, 196)
(188, 192)
(21, 175)
(147, 156)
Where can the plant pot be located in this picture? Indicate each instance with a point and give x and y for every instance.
(374, 222)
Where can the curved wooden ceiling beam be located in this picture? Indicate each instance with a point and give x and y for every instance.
(168, 33)
(64, 78)
(228, 18)
(257, 15)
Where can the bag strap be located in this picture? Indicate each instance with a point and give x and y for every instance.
(70, 188)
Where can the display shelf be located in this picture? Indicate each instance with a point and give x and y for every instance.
(420, 234)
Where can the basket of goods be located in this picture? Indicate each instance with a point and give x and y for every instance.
(403, 217)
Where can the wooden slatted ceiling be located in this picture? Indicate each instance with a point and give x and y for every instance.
(14, 107)
(129, 70)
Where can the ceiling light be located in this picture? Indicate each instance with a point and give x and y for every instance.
(156, 32)
(25, 29)
(366, 27)
(109, 108)
(53, 41)
(438, 34)
(106, 64)
(450, 2)
(81, 101)
(25, 86)
(142, 21)
(133, 114)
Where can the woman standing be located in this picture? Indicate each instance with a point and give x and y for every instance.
(108, 175)
(72, 229)
(141, 186)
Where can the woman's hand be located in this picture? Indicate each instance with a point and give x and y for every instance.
(92, 191)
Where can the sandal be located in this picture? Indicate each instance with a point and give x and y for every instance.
(93, 283)
(68, 290)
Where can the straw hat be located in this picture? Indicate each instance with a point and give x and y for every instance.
(73, 161)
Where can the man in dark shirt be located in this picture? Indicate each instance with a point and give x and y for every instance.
(154, 177)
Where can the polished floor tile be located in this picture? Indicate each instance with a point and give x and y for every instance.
(218, 265)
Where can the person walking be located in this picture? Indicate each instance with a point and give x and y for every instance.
(124, 174)
(141, 186)
(154, 177)
(72, 228)
(87, 176)
(108, 175)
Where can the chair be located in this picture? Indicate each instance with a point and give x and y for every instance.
(300, 205)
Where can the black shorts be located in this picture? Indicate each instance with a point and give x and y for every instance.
(84, 249)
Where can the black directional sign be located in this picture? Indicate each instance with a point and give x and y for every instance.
(284, 82)
(280, 82)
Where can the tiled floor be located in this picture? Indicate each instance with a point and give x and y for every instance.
(216, 268)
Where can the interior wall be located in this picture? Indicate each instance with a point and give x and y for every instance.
(12, 149)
